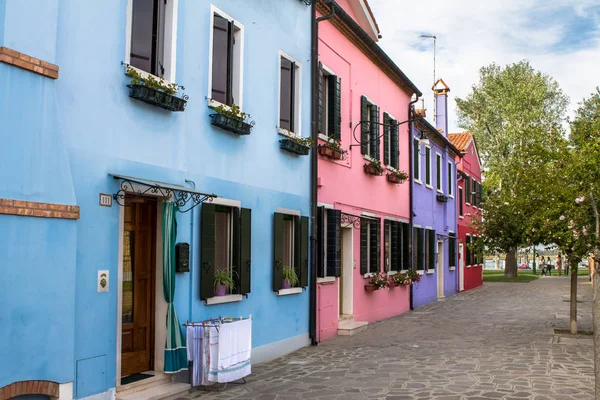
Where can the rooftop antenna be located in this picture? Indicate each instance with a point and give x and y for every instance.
(428, 36)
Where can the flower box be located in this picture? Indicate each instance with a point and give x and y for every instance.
(372, 170)
(442, 198)
(371, 288)
(294, 147)
(393, 178)
(330, 152)
(235, 125)
(156, 98)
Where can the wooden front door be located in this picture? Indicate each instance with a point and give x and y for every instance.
(139, 253)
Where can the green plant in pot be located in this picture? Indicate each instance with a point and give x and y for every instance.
(223, 281)
(290, 277)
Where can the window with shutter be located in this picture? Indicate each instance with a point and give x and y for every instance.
(438, 172)
(416, 160)
(375, 128)
(420, 253)
(374, 246)
(460, 201)
(468, 190)
(394, 144)
(468, 251)
(290, 248)
(147, 36)
(334, 242)
(430, 250)
(286, 95)
(450, 177)
(321, 242)
(207, 251)
(386, 138)
(323, 88)
(278, 251)
(474, 193)
(301, 250)
(334, 112)
(406, 243)
(452, 249)
(395, 246)
(428, 166)
(365, 115)
(364, 246)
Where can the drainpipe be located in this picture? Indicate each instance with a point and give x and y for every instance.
(411, 176)
(314, 162)
(192, 243)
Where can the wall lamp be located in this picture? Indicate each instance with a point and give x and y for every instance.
(423, 139)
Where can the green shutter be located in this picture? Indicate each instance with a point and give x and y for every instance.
(302, 250)
(245, 266)
(334, 107)
(420, 239)
(321, 89)
(364, 126)
(207, 246)
(375, 128)
(468, 255)
(432, 246)
(452, 250)
(460, 201)
(321, 242)
(450, 183)
(395, 145)
(406, 251)
(416, 156)
(374, 244)
(364, 235)
(395, 245)
(386, 139)
(438, 172)
(278, 250)
(468, 190)
(334, 242)
(427, 166)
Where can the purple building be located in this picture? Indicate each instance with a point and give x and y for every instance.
(433, 204)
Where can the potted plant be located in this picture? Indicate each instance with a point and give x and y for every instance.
(395, 176)
(332, 149)
(374, 167)
(296, 145)
(378, 281)
(402, 279)
(223, 281)
(290, 277)
(442, 198)
(232, 119)
(155, 92)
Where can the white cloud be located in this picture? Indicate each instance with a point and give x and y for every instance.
(473, 33)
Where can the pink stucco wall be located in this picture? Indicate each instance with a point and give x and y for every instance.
(345, 186)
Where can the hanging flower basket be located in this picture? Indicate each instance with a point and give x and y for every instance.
(330, 152)
(442, 198)
(373, 168)
(157, 98)
(397, 177)
(231, 124)
(295, 146)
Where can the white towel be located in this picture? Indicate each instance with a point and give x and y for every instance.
(235, 347)
(214, 354)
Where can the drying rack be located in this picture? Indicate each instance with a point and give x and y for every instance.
(216, 323)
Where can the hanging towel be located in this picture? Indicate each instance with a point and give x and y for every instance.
(205, 350)
(189, 342)
(213, 361)
(194, 346)
(234, 350)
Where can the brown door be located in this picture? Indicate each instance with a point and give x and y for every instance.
(139, 250)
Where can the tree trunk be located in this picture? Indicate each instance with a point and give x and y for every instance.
(510, 263)
(573, 324)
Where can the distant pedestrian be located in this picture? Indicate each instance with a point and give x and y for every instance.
(566, 267)
(549, 265)
(559, 265)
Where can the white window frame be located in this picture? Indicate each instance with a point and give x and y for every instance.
(297, 131)
(170, 42)
(461, 201)
(450, 180)
(438, 165)
(418, 157)
(428, 185)
(327, 72)
(238, 64)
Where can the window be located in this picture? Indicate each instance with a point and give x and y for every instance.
(225, 78)
(225, 246)
(452, 249)
(428, 166)
(387, 246)
(369, 246)
(416, 160)
(369, 128)
(468, 190)
(397, 252)
(469, 259)
(390, 141)
(146, 46)
(474, 193)
(290, 248)
(430, 250)
(438, 172)
(289, 94)
(460, 202)
(419, 253)
(330, 116)
(329, 242)
(450, 183)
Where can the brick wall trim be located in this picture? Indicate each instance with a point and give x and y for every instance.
(48, 388)
(13, 57)
(34, 209)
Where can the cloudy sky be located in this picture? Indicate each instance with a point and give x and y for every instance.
(559, 37)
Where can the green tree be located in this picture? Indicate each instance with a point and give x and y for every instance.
(516, 114)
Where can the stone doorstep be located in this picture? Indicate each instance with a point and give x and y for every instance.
(351, 328)
(345, 318)
(165, 391)
(158, 379)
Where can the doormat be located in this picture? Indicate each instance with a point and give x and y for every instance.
(126, 380)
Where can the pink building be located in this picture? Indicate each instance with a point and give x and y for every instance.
(364, 213)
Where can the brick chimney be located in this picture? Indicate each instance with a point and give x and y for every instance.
(440, 91)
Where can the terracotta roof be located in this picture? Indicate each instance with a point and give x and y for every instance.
(460, 140)
(372, 16)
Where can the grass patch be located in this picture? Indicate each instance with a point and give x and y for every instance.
(498, 276)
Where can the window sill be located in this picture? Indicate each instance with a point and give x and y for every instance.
(368, 275)
(418, 181)
(430, 272)
(451, 196)
(327, 279)
(440, 191)
(392, 273)
(451, 268)
(428, 186)
(368, 157)
(144, 75)
(229, 298)
(289, 134)
(461, 217)
(324, 137)
(287, 292)
(420, 272)
(469, 266)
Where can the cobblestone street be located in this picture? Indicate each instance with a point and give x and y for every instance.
(494, 342)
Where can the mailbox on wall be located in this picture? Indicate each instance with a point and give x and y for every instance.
(182, 257)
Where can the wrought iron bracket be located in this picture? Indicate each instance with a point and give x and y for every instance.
(186, 200)
(369, 123)
(355, 220)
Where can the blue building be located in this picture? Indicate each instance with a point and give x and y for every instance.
(95, 150)
(433, 204)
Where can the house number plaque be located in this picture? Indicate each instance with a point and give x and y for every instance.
(105, 200)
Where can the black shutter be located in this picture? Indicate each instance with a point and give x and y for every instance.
(245, 251)
(278, 250)
(207, 246)
(420, 249)
(364, 241)
(320, 242)
(406, 236)
(221, 63)
(321, 90)
(468, 258)
(374, 244)
(427, 166)
(334, 106)
(334, 242)
(286, 95)
(432, 245)
(452, 250)
(394, 144)
(375, 132)
(468, 189)
(386, 139)
(395, 245)
(475, 252)
(460, 201)
(302, 251)
(438, 172)
(416, 160)
(364, 126)
(143, 35)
